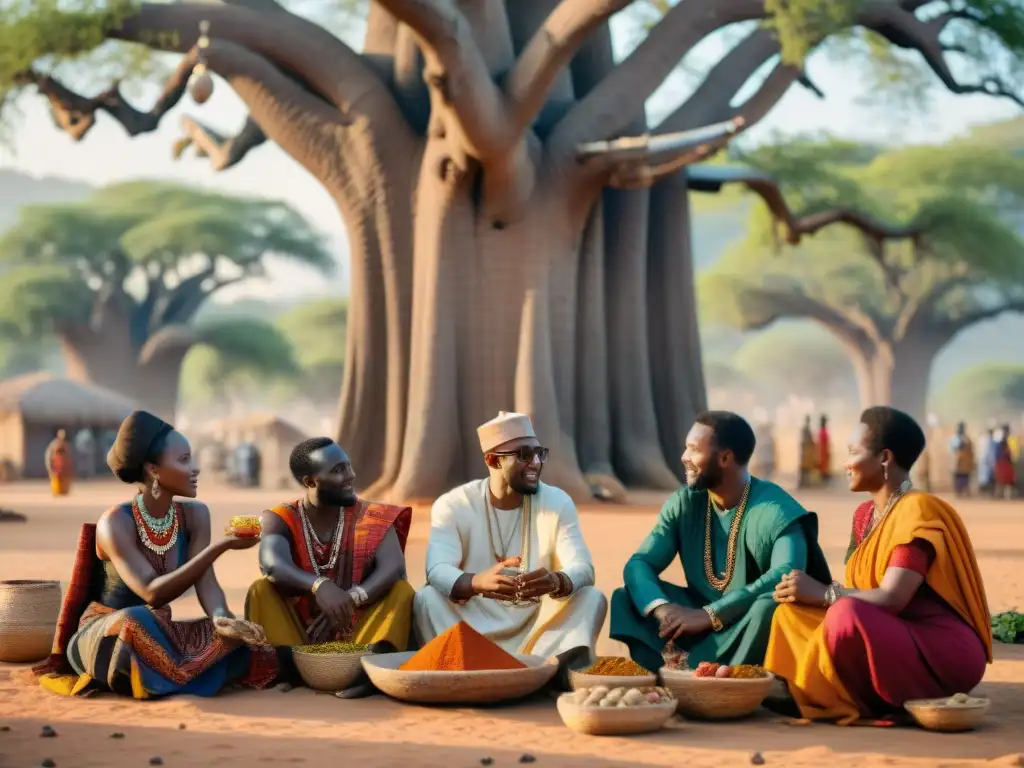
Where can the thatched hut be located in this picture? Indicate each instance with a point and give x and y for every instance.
(273, 436)
(35, 406)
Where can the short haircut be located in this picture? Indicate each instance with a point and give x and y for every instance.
(301, 461)
(892, 429)
(732, 433)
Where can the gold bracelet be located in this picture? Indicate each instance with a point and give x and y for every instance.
(716, 623)
(318, 583)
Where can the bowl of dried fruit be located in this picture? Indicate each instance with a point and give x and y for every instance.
(330, 666)
(717, 691)
(616, 711)
(611, 672)
(244, 526)
(957, 713)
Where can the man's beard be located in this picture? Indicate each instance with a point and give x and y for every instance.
(708, 478)
(336, 498)
(525, 488)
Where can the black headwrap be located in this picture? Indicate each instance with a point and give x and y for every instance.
(135, 440)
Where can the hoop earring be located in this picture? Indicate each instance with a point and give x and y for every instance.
(155, 489)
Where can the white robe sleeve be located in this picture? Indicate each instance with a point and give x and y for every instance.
(444, 548)
(570, 548)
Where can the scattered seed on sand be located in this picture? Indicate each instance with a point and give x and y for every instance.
(756, 759)
(47, 732)
(486, 761)
(527, 758)
(117, 735)
(4, 728)
(48, 763)
(156, 761)
(181, 726)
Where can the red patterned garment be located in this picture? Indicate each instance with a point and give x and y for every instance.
(366, 524)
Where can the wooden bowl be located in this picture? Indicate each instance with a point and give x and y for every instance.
(614, 721)
(454, 687)
(937, 715)
(716, 698)
(329, 671)
(579, 680)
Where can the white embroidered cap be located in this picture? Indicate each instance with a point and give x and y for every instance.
(506, 426)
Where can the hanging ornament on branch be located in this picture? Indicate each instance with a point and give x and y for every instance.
(200, 84)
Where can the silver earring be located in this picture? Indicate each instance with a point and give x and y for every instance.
(155, 489)
(885, 469)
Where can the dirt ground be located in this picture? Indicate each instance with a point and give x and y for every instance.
(303, 728)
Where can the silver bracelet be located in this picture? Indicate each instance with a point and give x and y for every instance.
(359, 596)
(833, 593)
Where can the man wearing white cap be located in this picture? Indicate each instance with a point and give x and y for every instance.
(506, 554)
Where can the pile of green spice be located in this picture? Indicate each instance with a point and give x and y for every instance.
(333, 647)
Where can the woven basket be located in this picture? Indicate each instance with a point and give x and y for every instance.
(441, 687)
(28, 619)
(579, 680)
(715, 698)
(947, 719)
(329, 671)
(614, 721)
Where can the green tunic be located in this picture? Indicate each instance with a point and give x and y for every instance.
(777, 535)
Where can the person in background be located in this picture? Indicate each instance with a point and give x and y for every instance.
(60, 464)
(912, 620)
(735, 535)
(987, 463)
(808, 457)
(762, 464)
(1005, 474)
(824, 452)
(963, 460)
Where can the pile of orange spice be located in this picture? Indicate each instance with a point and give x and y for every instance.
(461, 649)
(615, 666)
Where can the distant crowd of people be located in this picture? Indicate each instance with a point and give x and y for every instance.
(992, 465)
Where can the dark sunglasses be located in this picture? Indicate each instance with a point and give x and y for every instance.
(526, 454)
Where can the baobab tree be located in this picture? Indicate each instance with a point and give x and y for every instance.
(468, 149)
(893, 291)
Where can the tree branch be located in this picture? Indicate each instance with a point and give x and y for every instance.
(919, 307)
(712, 99)
(549, 51)
(635, 162)
(798, 304)
(224, 152)
(968, 319)
(76, 114)
(456, 71)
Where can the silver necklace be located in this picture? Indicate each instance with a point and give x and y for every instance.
(894, 497)
(311, 535)
(524, 554)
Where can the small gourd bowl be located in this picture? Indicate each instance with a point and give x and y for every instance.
(579, 680)
(614, 721)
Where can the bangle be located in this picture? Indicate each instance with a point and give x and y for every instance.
(564, 585)
(318, 583)
(716, 623)
(359, 596)
(833, 593)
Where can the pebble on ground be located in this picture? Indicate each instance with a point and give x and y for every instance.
(47, 732)
(756, 759)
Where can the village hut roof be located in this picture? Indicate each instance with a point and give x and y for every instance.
(264, 422)
(48, 399)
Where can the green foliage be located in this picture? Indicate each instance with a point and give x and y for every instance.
(317, 332)
(795, 358)
(35, 301)
(968, 258)
(982, 392)
(1008, 627)
(236, 357)
(162, 248)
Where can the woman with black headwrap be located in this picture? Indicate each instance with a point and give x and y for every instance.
(115, 630)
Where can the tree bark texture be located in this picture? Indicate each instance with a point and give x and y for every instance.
(491, 268)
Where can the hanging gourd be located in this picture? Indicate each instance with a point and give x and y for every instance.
(200, 84)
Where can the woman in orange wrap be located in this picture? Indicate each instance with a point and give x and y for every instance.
(912, 620)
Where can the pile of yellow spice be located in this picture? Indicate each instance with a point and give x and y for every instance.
(615, 666)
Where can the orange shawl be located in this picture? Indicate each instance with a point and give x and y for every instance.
(797, 651)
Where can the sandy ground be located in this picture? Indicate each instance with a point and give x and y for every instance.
(301, 727)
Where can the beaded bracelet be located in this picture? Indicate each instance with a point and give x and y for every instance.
(716, 623)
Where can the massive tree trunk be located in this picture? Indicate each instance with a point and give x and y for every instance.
(466, 151)
(897, 373)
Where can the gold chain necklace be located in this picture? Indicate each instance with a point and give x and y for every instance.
(721, 582)
(524, 552)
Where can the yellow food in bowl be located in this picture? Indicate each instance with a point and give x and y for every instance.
(244, 526)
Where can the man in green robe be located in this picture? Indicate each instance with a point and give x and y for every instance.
(736, 536)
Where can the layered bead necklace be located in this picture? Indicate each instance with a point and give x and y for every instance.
(316, 549)
(716, 581)
(156, 534)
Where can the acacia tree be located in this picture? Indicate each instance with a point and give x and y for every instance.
(119, 277)
(982, 392)
(467, 149)
(894, 294)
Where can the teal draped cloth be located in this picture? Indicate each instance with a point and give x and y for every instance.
(776, 535)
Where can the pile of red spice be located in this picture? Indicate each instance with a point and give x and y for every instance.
(461, 649)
